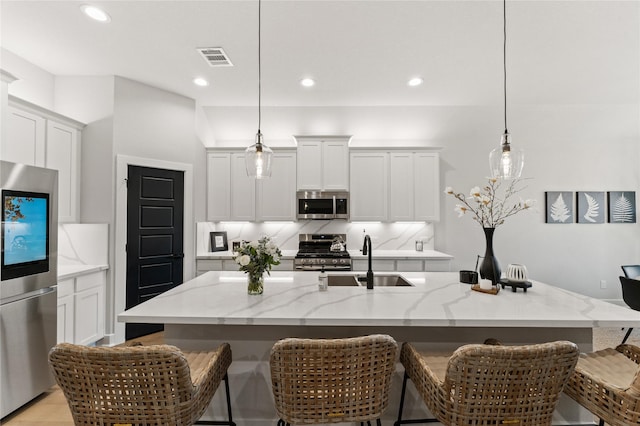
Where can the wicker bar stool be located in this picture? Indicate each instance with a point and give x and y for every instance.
(488, 384)
(317, 381)
(140, 385)
(607, 383)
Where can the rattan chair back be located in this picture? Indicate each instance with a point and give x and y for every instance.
(607, 383)
(137, 385)
(489, 385)
(318, 381)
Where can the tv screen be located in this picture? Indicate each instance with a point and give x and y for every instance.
(25, 233)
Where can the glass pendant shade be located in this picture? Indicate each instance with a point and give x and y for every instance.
(505, 162)
(257, 159)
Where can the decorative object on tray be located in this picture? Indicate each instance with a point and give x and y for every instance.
(490, 207)
(255, 258)
(517, 272)
(219, 241)
(516, 277)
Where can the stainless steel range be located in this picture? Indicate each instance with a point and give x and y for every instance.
(316, 251)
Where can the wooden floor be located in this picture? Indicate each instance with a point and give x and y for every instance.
(50, 409)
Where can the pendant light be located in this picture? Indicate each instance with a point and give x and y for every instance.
(258, 156)
(505, 162)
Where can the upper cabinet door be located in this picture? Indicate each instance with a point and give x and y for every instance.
(277, 194)
(335, 161)
(218, 186)
(323, 163)
(62, 153)
(309, 165)
(401, 186)
(25, 138)
(427, 186)
(369, 175)
(243, 190)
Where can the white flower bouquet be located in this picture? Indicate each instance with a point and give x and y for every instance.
(490, 205)
(257, 257)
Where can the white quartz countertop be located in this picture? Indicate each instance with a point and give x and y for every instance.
(401, 254)
(437, 299)
(66, 272)
(228, 254)
(355, 254)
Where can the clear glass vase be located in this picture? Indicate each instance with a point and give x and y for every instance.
(256, 283)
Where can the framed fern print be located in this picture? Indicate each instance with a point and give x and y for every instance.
(591, 207)
(559, 207)
(622, 207)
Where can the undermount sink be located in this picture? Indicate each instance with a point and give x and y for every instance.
(387, 280)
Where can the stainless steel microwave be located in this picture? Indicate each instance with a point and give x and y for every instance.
(322, 205)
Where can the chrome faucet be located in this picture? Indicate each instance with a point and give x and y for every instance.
(366, 250)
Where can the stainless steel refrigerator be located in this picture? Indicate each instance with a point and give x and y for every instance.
(28, 299)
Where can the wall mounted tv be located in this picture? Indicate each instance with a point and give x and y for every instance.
(25, 233)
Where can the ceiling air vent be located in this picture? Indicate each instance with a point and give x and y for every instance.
(215, 56)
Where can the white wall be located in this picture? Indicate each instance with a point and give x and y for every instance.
(34, 84)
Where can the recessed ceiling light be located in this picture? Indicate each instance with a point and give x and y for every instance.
(307, 82)
(416, 81)
(95, 13)
(200, 82)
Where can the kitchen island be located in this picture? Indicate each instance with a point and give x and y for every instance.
(437, 313)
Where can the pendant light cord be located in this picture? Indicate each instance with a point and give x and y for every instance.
(504, 59)
(259, 66)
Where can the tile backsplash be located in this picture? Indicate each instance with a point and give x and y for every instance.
(384, 236)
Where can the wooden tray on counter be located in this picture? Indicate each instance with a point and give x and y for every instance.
(494, 290)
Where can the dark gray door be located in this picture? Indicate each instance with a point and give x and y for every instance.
(155, 203)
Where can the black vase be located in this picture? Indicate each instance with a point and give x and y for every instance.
(490, 267)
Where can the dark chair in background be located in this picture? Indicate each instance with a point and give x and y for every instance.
(631, 296)
(631, 271)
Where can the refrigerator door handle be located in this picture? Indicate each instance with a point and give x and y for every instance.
(29, 295)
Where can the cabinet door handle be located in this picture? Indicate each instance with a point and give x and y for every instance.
(178, 256)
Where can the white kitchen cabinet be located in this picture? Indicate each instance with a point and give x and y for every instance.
(414, 193)
(218, 186)
(401, 186)
(81, 308)
(25, 139)
(426, 188)
(65, 311)
(276, 195)
(323, 163)
(230, 192)
(243, 190)
(394, 185)
(39, 137)
(62, 152)
(233, 196)
(369, 177)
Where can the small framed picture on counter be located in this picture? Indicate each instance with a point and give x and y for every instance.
(219, 241)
